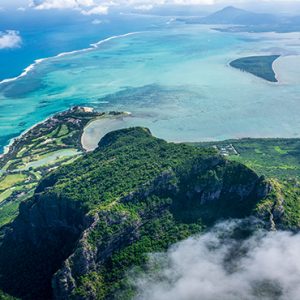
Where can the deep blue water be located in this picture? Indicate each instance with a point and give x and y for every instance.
(45, 34)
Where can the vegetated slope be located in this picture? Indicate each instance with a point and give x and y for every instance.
(260, 66)
(93, 220)
(278, 160)
(272, 157)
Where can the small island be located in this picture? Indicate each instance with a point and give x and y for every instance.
(260, 66)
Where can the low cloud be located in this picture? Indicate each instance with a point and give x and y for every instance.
(144, 7)
(97, 22)
(98, 7)
(10, 39)
(86, 7)
(60, 4)
(214, 265)
(97, 10)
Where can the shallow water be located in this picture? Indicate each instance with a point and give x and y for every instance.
(94, 131)
(175, 80)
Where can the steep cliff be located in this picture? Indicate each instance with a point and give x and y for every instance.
(92, 221)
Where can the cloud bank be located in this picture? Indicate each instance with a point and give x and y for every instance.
(99, 7)
(213, 266)
(86, 7)
(10, 39)
(102, 7)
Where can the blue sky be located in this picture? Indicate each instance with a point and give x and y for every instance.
(91, 7)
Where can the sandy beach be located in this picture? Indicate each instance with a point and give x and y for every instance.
(287, 69)
(96, 129)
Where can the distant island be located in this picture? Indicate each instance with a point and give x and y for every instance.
(260, 66)
(240, 20)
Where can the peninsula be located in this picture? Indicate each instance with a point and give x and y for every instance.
(40, 150)
(260, 66)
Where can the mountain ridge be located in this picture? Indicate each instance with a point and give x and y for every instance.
(91, 221)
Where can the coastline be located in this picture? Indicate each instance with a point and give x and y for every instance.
(287, 69)
(7, 148)
(40, 60)
(111, 122)
(96, 129)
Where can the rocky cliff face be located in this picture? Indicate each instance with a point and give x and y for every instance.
(199, 197)
(43, 235)
(80, 232)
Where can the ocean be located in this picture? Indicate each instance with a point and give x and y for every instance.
(174, 78)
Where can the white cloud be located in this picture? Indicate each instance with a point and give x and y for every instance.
(101, 7)
(10, 39)
(60, 4)
(144, 7)
(86, 7)
(90, 7)
(97, 10)
(97, 22)
(213, 266)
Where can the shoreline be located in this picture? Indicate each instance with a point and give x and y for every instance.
(96, 129)
(93, 46)
(107, 116)
(113, 122)
(7, 148)
(286, 76)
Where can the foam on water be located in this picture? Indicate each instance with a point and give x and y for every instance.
(38, 61)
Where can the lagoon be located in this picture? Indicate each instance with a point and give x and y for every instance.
(174, 79)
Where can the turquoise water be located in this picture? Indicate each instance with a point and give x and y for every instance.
(175, 80)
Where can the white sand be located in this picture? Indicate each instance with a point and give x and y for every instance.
(95, 130)
(287, 69)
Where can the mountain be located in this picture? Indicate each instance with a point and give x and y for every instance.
(92, 221)
(236, 16)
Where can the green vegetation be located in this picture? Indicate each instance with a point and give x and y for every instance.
(11, 180)
(133, 195)
(260, 66)
(279, 161)
(4, 296)
(122, 161)
(46, 146)
(9, 211)
(273, 158)
(88, 223)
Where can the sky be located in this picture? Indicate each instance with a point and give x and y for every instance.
(90, 7)
(10, 38)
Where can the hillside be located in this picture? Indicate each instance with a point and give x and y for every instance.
(93, 220)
